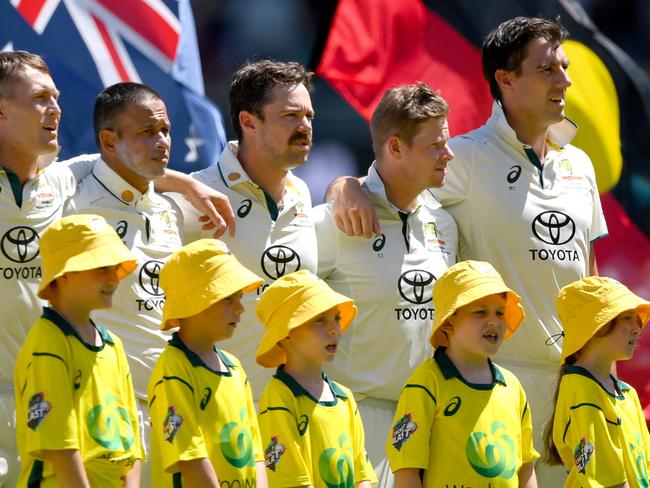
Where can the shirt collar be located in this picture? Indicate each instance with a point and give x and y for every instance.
(65, 327)
(117, 186)
(449, 371)
(297, 389)
(572, 369)
(194, 358)
(560, 134)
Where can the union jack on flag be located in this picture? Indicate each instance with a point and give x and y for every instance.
(91, 44)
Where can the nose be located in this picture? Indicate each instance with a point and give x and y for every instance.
(54, 107)
(164, 140)
(564, 80)
(239, 307)
(334, 328)
(447, 153)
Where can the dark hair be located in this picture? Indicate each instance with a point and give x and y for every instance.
(114, 100)
(13, 62)
(252, 83)
(505, 46)
(401, 111)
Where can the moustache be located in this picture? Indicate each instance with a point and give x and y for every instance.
(300, 138)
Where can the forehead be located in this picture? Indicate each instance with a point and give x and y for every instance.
(148, 111)
(29, 80)
(540, 51)
(433, 128)
(290, 96)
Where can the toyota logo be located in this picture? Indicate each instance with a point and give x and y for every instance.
(553, 227)
(413, 284)
(279, 260)
(20, 244)
(149, 277)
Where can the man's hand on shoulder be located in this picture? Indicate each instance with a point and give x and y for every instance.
(352, 210)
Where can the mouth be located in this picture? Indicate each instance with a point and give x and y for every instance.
(492, 337)
(557, 100)
(301, 141)
(331, 348)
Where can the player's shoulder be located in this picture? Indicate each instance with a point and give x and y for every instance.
(299, 185)
(210, 176)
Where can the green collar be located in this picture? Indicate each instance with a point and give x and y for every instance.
(297, 389)
(620, 386)
(196, 361)
(449, 370)
(16, 187)
(65, 327)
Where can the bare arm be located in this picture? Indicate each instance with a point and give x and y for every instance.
(351, 209)
(68, 468)
(198, 472)
(262, 480)
(215, 205)
(593, 267)
(364, 484)
(527, 477)
(408, 478)
(132, 478)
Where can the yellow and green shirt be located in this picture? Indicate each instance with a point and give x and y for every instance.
(311, 442)
(459, 433)
(71, 395)
(602, 438)
(197, 412)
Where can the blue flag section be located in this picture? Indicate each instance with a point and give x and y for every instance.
(92, 44)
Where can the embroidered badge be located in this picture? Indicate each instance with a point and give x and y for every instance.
(582, 454)
(38, 410)
(431, 234)
(171, 424)
(273, 453)
(403, 430)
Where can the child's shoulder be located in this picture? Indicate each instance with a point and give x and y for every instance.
(509, 378)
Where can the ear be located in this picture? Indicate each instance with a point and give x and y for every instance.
(504, 78)
(247, 121)
(394, 146)
(3, 107)
(447, 326)
(107, 141)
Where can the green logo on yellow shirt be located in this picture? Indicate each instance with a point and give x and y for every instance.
(492, 454)
(639, 463)
(335, 464)
(237, 443)
(110, 425)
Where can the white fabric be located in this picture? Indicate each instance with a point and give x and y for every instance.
(377, 416)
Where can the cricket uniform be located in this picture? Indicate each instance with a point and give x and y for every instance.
(391, 278)
(534, 223)
(602, 438)
(197, 412)
(311, 442)
(72, 395)
(459, 433)
(271, 241)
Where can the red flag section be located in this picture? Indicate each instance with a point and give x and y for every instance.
(374, 45)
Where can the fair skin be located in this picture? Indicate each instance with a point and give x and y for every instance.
(409, 169)
(29, 122)
(601, 352)
(199, 472)
(410, 477)
(278, 141)
(75, 295)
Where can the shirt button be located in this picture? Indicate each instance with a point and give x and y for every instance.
(127, 195)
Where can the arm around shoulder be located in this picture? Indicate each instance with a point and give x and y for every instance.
(353, 211)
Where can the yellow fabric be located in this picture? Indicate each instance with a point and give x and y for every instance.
(291, 301)
(73, 396)
(199, 413)
(587, 305)
(81, 243)
(200, 274)
(461, 434)
(603, 439)
(309, 442)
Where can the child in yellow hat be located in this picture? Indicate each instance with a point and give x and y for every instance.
(309, 423)
(76, 420)
(204, 428)
(598, 430)
(461, 420)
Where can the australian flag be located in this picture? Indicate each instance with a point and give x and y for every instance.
(91, 44)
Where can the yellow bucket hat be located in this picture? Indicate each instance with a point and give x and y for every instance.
(464, 283)
(290, 302)
(199, 275)
(81, 243)
(587, 305)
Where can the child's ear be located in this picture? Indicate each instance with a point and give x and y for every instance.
(447, 325)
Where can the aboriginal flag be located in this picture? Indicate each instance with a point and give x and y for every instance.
(369, 46)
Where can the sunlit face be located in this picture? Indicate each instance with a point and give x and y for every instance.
(537, 94)
(427, 156)
(219, 321)
(315, 342)
(93, 288)
(621, 340)
(142, 142)
(284, 134)
(476, 331)
(29, 116)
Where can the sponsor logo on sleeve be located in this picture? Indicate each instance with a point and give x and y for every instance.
(273, 453)
(171, 424)
(582, 454)
(403, 430)
(37, 410)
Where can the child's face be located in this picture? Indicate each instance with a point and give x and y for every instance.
(478, 329)
(622, 339)
(221, 318)
(315, 342)
(93, 288)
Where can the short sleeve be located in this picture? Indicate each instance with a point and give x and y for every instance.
(363, 470)
(528, 452)
(258, 452)
(284, 456)
(129, 396)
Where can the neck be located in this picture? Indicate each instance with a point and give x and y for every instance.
(136, 181)
(268, 176)
(474, 369)
(400, 191)
(196, 343)
(531, 133)
(77, 316)
(24, 165)
(309, 376)
(597, 365)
